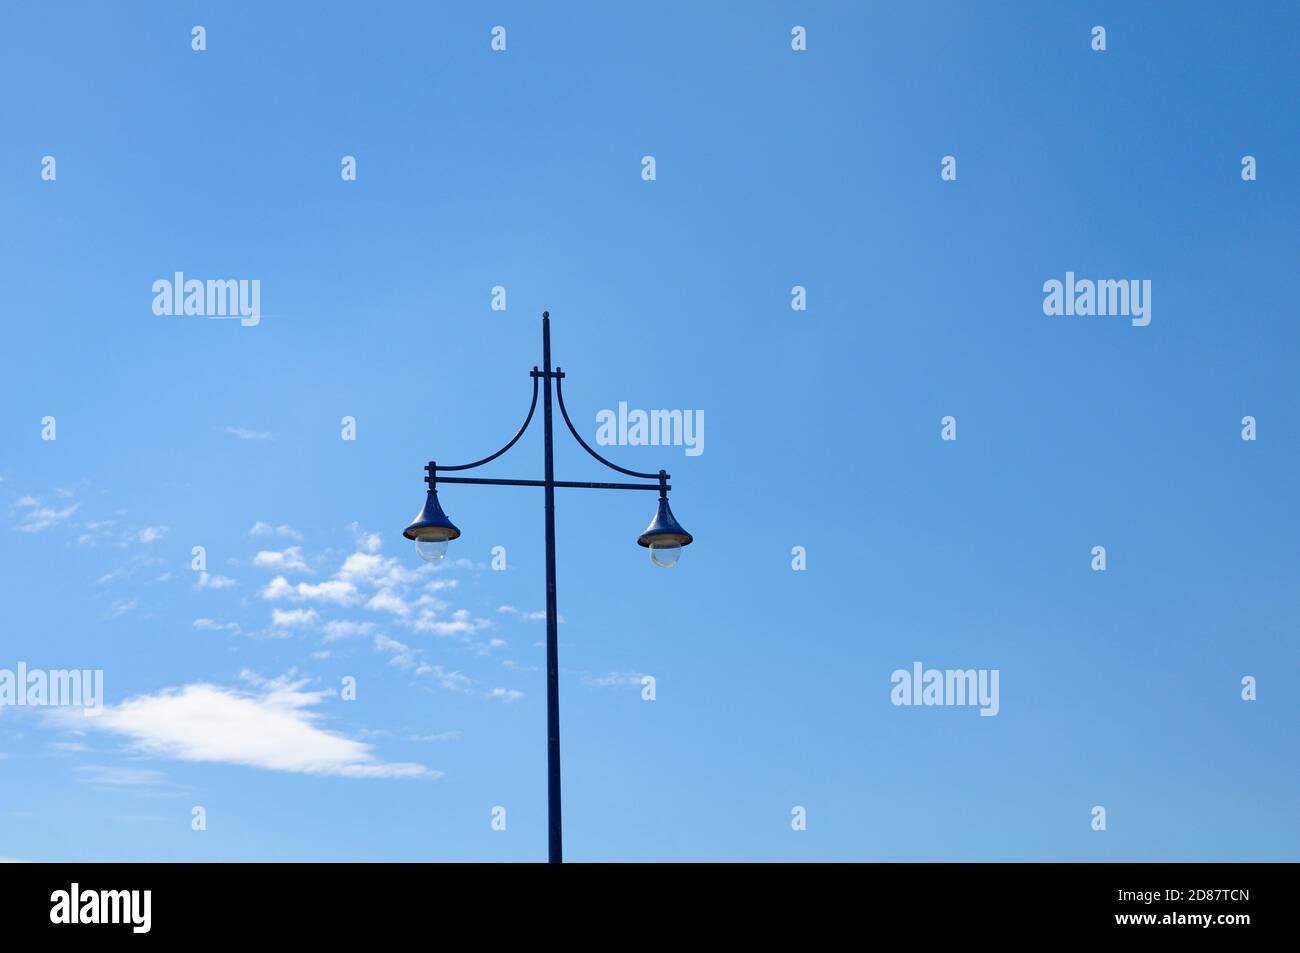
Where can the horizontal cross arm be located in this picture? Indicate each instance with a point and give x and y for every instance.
(485, 481)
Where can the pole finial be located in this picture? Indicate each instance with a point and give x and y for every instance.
(546, 315)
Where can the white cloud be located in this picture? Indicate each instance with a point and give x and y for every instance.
(333, 590)
(243, 433)
(505, 694)
(346, 629)
(366, 542)
(278, 588)
(207, 581)
(388, 601)
(286, 560)
(401, 653)
(441, 736)
(266, 529)
(151, 534)
(362, 567)
(340, 593)
(380, 583)
(460, 623)
(382, 572)
(211, 625)
(293, 618)
(271, 727)
(455, 681)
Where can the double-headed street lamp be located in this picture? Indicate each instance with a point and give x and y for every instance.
(664, 537)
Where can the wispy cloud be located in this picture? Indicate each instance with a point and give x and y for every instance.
(120, 608)
(243, 433)
(213, 581)
(33, 516)
(212, 625)
(94, 532)
(266, 529)
(112, 778)
(129, 569)
(451, 680)
(118, 777)
(366, 542)
(537, 616)
(613, 680)
(441, 736)
(347, 629)
(400, 652)
(366, 580)
(460, 623)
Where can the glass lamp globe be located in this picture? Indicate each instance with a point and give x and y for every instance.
(665, 554)
(431, 550)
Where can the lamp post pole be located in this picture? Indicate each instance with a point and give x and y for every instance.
(664, 537)
(554, 825)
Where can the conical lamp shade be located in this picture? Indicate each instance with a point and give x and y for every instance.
(664, 529)
(431, 523)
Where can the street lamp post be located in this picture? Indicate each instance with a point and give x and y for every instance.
(664, 537)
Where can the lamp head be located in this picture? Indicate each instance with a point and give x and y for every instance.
(665, 537)
(431, 529)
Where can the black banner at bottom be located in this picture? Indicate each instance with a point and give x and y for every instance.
(136, 902)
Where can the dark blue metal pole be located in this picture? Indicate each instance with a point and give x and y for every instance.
(556, 852)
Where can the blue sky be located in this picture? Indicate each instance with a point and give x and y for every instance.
(774, 168)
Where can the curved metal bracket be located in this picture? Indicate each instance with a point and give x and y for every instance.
(559, 393)
(513, 440)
